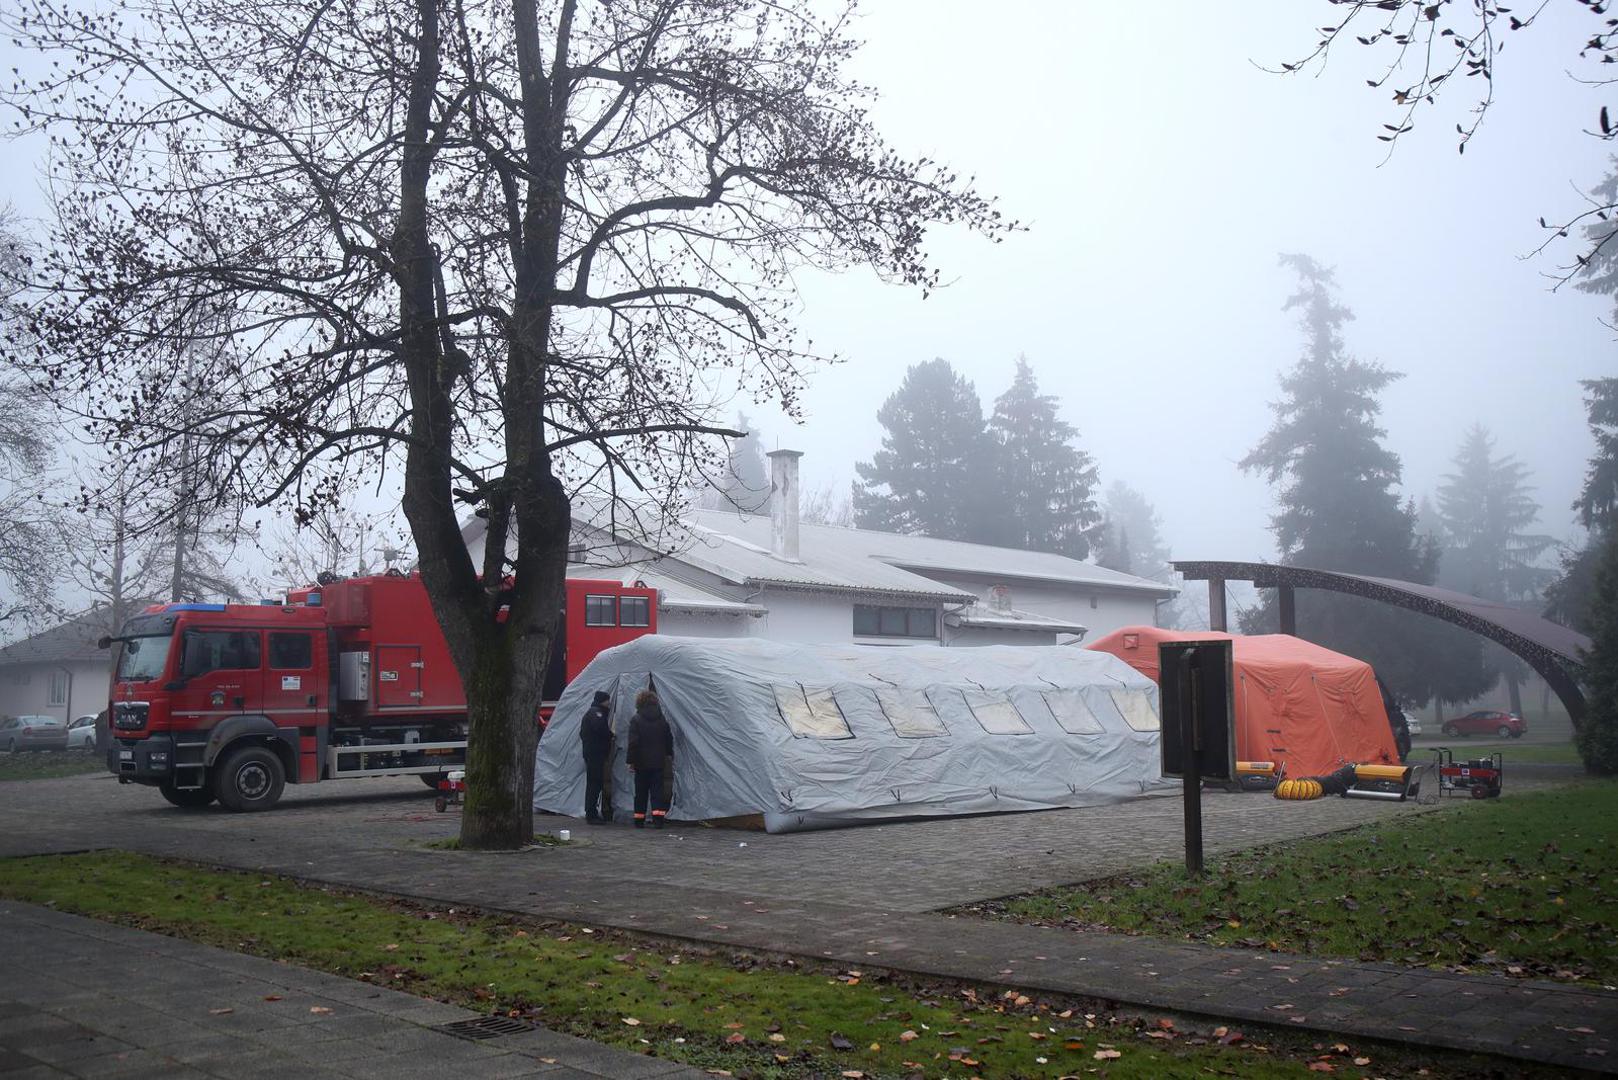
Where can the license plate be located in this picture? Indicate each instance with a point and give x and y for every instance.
(126, 755)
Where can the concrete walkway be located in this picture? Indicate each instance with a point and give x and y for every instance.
(853, 898)
(87, 999)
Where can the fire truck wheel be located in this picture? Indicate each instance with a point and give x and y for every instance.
(187, 798)
(250, 778)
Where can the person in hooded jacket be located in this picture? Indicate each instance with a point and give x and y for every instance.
(650, 743)
(595, 733)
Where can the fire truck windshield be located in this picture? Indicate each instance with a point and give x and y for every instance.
(142, 658)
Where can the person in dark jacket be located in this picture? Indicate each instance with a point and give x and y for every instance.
(650, 743)
(595, 732)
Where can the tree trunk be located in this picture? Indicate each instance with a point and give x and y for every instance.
(1514, 690)
(499, 802)
(1438, 713)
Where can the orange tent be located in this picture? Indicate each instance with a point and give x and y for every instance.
(1296, 702)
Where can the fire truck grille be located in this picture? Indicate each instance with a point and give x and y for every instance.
(488, 1027)
(129, 715)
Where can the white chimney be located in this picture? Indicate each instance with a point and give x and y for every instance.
(784, 503)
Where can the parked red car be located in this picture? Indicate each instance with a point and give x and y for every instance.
(1487, 722)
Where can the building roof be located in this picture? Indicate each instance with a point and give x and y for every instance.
(736, 546)
(72, 640)
(735, 549)
(988, 618)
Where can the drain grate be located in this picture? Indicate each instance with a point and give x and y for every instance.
(488, 1027)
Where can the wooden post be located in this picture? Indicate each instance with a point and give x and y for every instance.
(1216, 603)
(1288, 606)
(1190, 738)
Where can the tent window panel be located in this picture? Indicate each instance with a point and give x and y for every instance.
(911, 714)
(1072, 712)
(811, 714)
(997, 714)
(1137, 709)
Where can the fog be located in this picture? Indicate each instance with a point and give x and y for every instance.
(1160, 171)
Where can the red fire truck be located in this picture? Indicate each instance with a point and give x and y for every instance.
(233, 701)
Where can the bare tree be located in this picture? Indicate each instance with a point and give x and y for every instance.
(29, 555)
(826, 506)
(337, 541)
(1428, 46)
(510, 245)
(123, 551)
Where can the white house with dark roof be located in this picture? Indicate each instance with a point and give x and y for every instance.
(59, 672)
(772, 576)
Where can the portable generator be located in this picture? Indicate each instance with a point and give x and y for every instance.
(451, 791)
(1483, 777)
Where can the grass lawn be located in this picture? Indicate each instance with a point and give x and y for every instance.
(1521, 885)
(754, 1017)
(1512, 750)
(46, 764)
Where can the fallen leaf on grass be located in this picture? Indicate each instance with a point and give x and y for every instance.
(1108, 1055)
(735, 1038)
(221, 1012)
(272, 997)
(840, 1043)
(1322, 1066)
(776, 1036)
(391, 948)
(853, 1074)
(319, 1010)
(907, 1036)
(1362, 1061)
(631, 1021)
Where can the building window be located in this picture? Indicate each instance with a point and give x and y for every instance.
(600, 611)
(634, 611)
(291, 652)
(58, 688)
(913, 622)
(578, 553)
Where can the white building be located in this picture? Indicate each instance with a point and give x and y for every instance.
(59, 672)
(745, 575)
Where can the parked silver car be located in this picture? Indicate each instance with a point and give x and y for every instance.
(32, 733)
(81, 733)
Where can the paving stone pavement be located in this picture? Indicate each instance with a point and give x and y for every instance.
(861, 897)
(107, 1001)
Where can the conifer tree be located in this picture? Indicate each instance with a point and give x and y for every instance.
(744, 483)
(1133, 532)
(1488, 515)
(1597, 736)
(1339, 508)
(932, 474)
(1046, 482)
(1568, 599)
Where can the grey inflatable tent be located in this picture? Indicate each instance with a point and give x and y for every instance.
(809, 736)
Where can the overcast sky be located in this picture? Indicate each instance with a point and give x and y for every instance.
(1160, 172)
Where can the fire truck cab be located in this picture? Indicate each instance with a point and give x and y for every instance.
(233, 701)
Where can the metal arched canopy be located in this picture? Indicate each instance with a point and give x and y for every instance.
(1554, 651)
